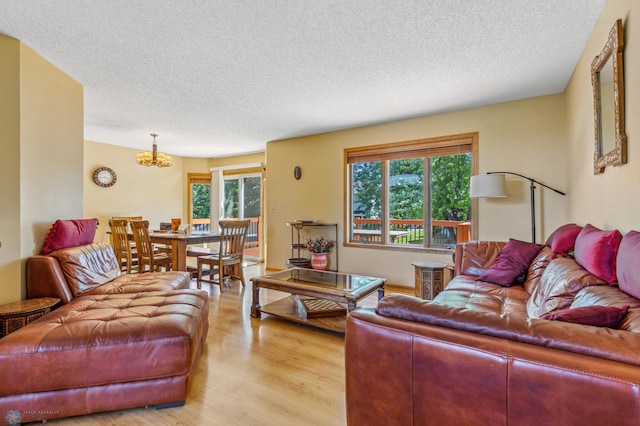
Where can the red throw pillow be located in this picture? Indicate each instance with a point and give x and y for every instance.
(596, 251)
(69, 233)
(512, 262)
(627, 264)
(563, 239)
(598, 316)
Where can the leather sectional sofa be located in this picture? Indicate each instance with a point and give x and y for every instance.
(118, 341)
(481, 353)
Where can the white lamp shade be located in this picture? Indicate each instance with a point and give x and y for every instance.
(487, 186)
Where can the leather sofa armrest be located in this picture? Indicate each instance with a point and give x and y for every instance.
(46, 279)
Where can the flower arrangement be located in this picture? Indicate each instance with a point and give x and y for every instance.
(319, 245)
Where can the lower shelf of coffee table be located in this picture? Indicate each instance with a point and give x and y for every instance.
(288, 308)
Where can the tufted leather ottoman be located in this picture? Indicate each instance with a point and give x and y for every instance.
(104, 352)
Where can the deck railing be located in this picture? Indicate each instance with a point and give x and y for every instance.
(444, 233)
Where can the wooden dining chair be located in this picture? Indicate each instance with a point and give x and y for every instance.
(147, 255)
(227, 263)
(125, 253)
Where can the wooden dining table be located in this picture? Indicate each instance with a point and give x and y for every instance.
(179, 244)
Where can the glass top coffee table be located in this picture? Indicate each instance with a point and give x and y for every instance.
(318, 298)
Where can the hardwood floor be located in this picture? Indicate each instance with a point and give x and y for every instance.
(253, 372)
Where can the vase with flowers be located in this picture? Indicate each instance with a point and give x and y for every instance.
(319, 249)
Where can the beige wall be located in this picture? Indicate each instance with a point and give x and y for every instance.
(525, 137)
(154, 193)
(41, 117)
(608, 200)
(157, 194)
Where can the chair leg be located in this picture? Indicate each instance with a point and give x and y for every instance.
(199, 275)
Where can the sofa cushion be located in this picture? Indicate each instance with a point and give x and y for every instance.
(627, 264)
(69, 233)
(563, 239)
(561, 281)
(596, 252)
(511, 263)
(88, 266)
(598, 316)
(536, 269)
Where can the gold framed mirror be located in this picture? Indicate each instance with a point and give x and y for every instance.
(607, 78)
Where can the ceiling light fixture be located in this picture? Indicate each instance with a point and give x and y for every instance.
(154, 158)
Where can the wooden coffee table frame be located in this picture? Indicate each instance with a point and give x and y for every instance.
(288, 307)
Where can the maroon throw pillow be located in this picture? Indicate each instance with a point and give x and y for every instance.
(512, 262)
(69, 233)
(598, 316)
(627, 264)
(563, 239)
(596, 251)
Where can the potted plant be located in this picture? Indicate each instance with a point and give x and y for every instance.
(319, 249)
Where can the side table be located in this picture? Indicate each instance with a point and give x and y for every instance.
(18, 314)
(429, 279)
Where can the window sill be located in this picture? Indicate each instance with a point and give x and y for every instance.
(398, 247)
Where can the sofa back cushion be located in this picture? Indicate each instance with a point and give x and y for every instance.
(88, 266)
(536, 269)
(473, 257)
(627, 269)
(596, 251)
(561, 280)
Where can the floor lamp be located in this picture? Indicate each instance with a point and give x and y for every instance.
(491, 185)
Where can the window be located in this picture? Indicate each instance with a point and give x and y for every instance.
(411, 194)
(200, 201)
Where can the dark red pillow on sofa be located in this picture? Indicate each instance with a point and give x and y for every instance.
(69, 233)
(599, 316)
(596, 251)
(563, 239)
(512, 262)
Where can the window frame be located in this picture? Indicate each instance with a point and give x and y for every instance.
(443, 145)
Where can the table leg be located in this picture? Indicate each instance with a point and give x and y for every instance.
(255, 306)
(380, 292)
(179, 255)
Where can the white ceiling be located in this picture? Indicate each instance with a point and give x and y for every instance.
(223, 77)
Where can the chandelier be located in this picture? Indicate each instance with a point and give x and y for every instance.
(154, 158)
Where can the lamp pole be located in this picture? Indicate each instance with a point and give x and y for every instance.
(532, 188)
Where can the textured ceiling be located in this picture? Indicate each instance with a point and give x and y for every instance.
(217, 78)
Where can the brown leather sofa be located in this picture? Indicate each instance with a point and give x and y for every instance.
(479, 355)
(117, 342)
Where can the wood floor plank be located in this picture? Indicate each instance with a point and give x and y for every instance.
(267, 371)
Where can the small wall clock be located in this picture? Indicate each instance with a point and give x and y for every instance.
(104, 176)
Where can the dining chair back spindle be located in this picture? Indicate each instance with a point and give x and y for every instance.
(124, 252)
(227, 263)
(147, 255)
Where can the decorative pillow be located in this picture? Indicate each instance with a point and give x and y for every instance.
(562, 279)
(563, 239)
(627, 264)
(598, 316)
(69, 233)
(511, 263)
(596, 252)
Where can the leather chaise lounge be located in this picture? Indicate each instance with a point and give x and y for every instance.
(117, 341)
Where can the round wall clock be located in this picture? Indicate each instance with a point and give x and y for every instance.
(104, 176)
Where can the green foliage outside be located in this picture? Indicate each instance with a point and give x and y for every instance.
(450, 177)
(449, 188)
(201, 196)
